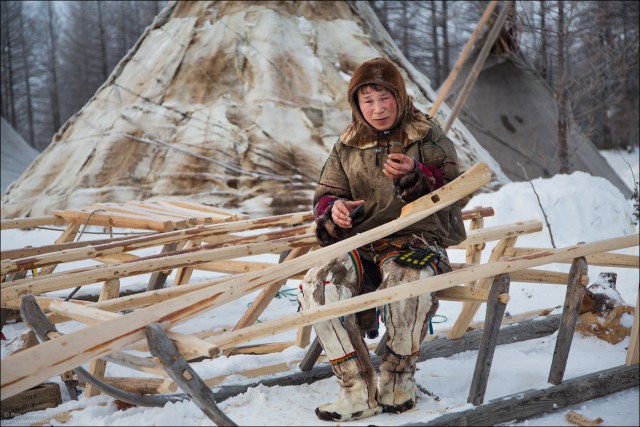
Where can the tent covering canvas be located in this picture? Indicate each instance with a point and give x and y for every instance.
(229, 103)
(17, 155)
(512, 112)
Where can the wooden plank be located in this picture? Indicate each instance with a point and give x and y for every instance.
(570, 312)
(234, 266)
(495, 312)
(78, 347)
(8, 224)
(204, 208)
(463, 293)
(97, 367)
(149, 240)
(601, 259)
(154, 209)
(196, 217)
(498, 232)
(85, 216)
(530, 403)
(311, 356)
(633, 351)
(117, 208)
(142, 261)
(469, 309)
(540, 276)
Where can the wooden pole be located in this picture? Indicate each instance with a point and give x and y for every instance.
(632, 352)
(575, 293)
(477, 66)
(8, 224)
(97, 367)
(463, 56)
(492, 322)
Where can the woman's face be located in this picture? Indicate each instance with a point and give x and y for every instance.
(379, 107)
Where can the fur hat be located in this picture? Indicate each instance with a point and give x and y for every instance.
(410, 125)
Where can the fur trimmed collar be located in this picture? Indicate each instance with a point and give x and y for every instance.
(411, 124)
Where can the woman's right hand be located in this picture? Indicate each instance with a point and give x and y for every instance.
(340, 212)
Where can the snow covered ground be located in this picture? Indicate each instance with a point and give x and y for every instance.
(579, 208)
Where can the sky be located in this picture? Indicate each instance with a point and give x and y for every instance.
(579, 208)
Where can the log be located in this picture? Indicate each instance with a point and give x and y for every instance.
(55, 356)
(535, 402)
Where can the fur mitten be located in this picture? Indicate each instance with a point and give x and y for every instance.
(327, 231)
(413, 185)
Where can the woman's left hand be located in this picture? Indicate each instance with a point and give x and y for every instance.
(398, 165)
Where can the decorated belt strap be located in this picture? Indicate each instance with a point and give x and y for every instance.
(419, 258)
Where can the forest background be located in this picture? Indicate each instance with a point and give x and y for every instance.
(55, 55)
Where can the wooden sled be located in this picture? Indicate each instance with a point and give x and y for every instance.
(198, 297)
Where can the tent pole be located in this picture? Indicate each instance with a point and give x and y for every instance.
(463, 56)
(477, 67)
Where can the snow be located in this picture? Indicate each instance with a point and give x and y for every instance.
(579, 208)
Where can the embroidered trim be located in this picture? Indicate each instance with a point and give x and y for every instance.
(343, 359)
(399, 356)
(357, 264)
(387, 257)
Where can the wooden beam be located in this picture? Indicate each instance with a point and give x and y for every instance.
(495, 312)
(484, 235)
(601, 259)
(8, 224)
(573, 299)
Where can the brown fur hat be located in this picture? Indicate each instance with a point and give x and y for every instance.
(410, 125)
